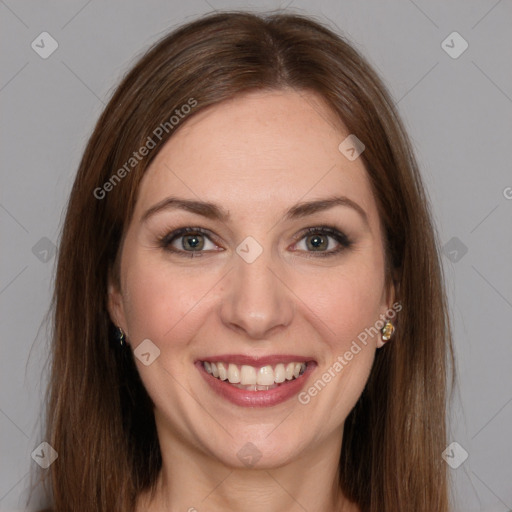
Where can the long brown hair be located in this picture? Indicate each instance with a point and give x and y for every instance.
(99, 416)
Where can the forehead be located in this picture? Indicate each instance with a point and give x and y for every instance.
(260, 152)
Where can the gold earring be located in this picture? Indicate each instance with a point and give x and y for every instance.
(387, 331)
(120, 336)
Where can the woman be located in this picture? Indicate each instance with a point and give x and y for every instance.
(249, 307)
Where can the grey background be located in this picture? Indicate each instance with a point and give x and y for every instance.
(457, 111)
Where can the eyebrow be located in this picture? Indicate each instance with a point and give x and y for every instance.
(216, 212)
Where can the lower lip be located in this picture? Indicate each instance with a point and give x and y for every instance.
(257, 398)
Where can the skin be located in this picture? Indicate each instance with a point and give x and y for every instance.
(256, 156)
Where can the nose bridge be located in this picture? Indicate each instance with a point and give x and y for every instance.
(256, 300)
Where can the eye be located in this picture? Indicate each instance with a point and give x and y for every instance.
(193, 241)
(320, 240)
(189, 240)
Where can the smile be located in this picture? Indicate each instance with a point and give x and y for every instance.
(256, 382)
(253, 378)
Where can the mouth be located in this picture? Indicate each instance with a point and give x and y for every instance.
(262, 383)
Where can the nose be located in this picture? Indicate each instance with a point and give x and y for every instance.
(256, 300)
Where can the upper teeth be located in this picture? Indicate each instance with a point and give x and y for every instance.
(247, 375)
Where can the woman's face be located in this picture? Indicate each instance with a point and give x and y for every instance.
(248, 293)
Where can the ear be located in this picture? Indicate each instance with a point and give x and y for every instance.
(115, 304)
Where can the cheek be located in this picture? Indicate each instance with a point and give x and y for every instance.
(160, 301)
(348, 306)
(356, 306)
(347, 300)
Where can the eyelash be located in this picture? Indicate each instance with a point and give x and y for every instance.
(341, 238)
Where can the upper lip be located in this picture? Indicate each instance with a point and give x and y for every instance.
(256, 361)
